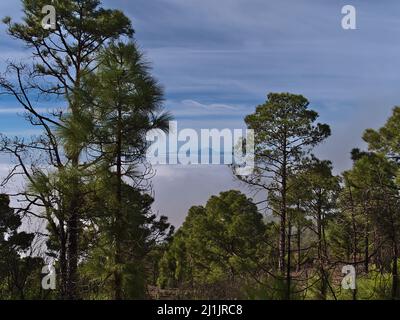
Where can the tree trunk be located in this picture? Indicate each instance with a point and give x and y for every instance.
(395, 274)
(283, 213)
(63, 268)
(320, 250)
(72, 251)
(73, 212)
(73, 233)
(118, 215)
(298, 247)
(288, 265)
(366, 243)
(282, 241)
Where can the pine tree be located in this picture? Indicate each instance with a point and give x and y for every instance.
(123, 102)
(285, 131)
(61, 58)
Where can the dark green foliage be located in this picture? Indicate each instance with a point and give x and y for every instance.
(217, 245)
(20, 276)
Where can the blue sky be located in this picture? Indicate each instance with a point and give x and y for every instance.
(217, 60)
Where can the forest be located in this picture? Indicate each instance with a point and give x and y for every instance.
(85, 213)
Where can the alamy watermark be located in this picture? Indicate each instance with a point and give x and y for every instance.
(349, 21)
(210, 147)
(49, 20)
(349, 280)
(49, 280)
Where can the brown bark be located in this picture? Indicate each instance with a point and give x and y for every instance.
(320, 252)
(366, 251)
(283, 213)
(118, 295)
(395, 272)
(288, 265)
(298, 247)
(72, 245)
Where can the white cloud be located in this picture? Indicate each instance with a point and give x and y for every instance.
(22, 110)
(177, 188)
(209, 107)
(21, 133)
(195, 108)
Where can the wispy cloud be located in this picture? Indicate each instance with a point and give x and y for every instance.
(21, 133)
(209, 107)
(22, 110)
(197, 109)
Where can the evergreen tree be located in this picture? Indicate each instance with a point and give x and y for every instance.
(218, 247)
(285, 132)
(61, 58)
